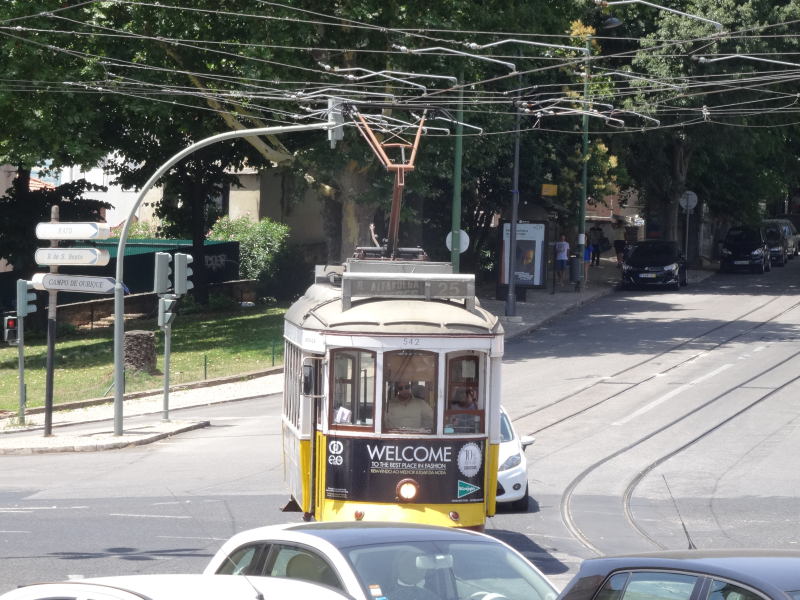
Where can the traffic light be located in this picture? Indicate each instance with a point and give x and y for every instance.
(162, 282)
(24, 297)
(182, 273)
(166, 311)
(10, 329)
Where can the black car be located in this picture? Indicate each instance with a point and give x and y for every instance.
(656, 263)
(778, 244)
(745, 249)
(689, 575)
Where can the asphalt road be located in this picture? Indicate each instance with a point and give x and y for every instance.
(631, 398)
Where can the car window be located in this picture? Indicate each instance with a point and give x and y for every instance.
(295, 562)
(658, 251)
(242, 561)
(613, 587)
(773, 233)
(743, 236)
(506, 433)
(659, 586)
(722, 590)
(794, 595)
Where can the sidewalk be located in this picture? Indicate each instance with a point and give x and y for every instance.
(542, 305)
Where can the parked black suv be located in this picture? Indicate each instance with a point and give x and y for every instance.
(745, 249)
(655, 263)
(778, 244)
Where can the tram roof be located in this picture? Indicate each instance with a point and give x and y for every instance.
(321, 309)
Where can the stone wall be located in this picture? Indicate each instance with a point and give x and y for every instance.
(91, 311)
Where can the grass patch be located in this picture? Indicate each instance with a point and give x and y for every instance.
(234, 342)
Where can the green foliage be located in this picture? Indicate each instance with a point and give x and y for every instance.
(259, 243)
(190, 306)
(289, 277)
(219, 302)
(143, 230)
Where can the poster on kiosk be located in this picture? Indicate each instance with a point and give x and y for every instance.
(530, 255)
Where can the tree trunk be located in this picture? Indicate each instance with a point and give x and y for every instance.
(332, 228)
(681, 153)
(356, 216)
(199, 274)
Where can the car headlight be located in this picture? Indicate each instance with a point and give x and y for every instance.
(672, 267)
(775, 249)
(626, 267)
(511, 462)
(756, 252)
(726, 252)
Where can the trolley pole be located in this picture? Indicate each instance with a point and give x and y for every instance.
(455, 242)
(581, 284)
(51, 343)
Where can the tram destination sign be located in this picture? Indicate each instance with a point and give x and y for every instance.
(91, 257)
(407, 285)
(73, 231)
(73, 283)
(369, 470)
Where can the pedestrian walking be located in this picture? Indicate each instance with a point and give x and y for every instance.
(562, 252)
(595, 237)
(587, 259)
(619, 241)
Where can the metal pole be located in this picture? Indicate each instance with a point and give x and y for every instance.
(687, 231)
(273, 353)
(119, 299)
(21, 360)
(455, 241)
(511, 299)
(584, 178)
(167, 339)
(51, 343)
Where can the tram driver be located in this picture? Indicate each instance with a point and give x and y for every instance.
(406, 411)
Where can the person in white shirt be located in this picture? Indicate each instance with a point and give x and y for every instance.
(562, 251)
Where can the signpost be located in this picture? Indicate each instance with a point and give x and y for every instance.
(90, 257)
(73, 231)
(463, 241)
(549, 189)
(73, 283)
(688, 201)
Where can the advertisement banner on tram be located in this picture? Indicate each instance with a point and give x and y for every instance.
(369, 470)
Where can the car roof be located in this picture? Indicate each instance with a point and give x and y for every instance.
(760, 568)
(347, 534)
(184, 587)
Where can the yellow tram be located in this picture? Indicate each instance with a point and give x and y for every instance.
(392, 395)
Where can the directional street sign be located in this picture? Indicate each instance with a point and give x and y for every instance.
(73, 283)
(93, 257)
(73, 231)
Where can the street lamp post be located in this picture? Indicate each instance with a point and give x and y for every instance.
(119, 299)
(581, 283)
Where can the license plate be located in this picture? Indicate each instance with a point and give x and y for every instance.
(652, 275)
(741, 262)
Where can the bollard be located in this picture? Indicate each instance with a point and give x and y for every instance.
(575, 266)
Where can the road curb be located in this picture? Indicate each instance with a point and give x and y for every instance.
(155, 412)
(155, 392)
(113, 445)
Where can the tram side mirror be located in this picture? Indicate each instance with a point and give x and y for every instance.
(526, 440)
(308, 380)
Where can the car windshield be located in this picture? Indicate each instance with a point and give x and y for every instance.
(506, 433)
(446, 571)
(794, 595)
(743, 236)
(653, 251)
(773, 233)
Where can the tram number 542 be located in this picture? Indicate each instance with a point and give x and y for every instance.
(410, 341)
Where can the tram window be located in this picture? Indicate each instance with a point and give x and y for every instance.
(353, 398)
(464, 413)
(409, 391)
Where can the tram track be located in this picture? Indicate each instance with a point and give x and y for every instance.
(661, 373)
(566, 515)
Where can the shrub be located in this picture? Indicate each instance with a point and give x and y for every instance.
(141, 230)
(190, 306)
(289, 278)
(259, 243)
(220, 302)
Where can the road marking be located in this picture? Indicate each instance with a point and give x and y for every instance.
(148, 516)
(1, 531)
(675, 392)
(189, 537)
(160, 503)
(74, 577)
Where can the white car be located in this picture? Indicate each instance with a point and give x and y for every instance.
(512, 470)
(385, 561)
(175, 587)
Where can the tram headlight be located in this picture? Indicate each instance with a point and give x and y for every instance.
(407, 490)
(511, 462)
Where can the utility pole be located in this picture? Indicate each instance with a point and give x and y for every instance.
(511, 299)
(51, 342)
(579, 287)
(455, 242)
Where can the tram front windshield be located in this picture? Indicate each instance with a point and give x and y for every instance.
(409, 391)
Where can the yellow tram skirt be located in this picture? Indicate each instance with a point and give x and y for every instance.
(469, 515)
